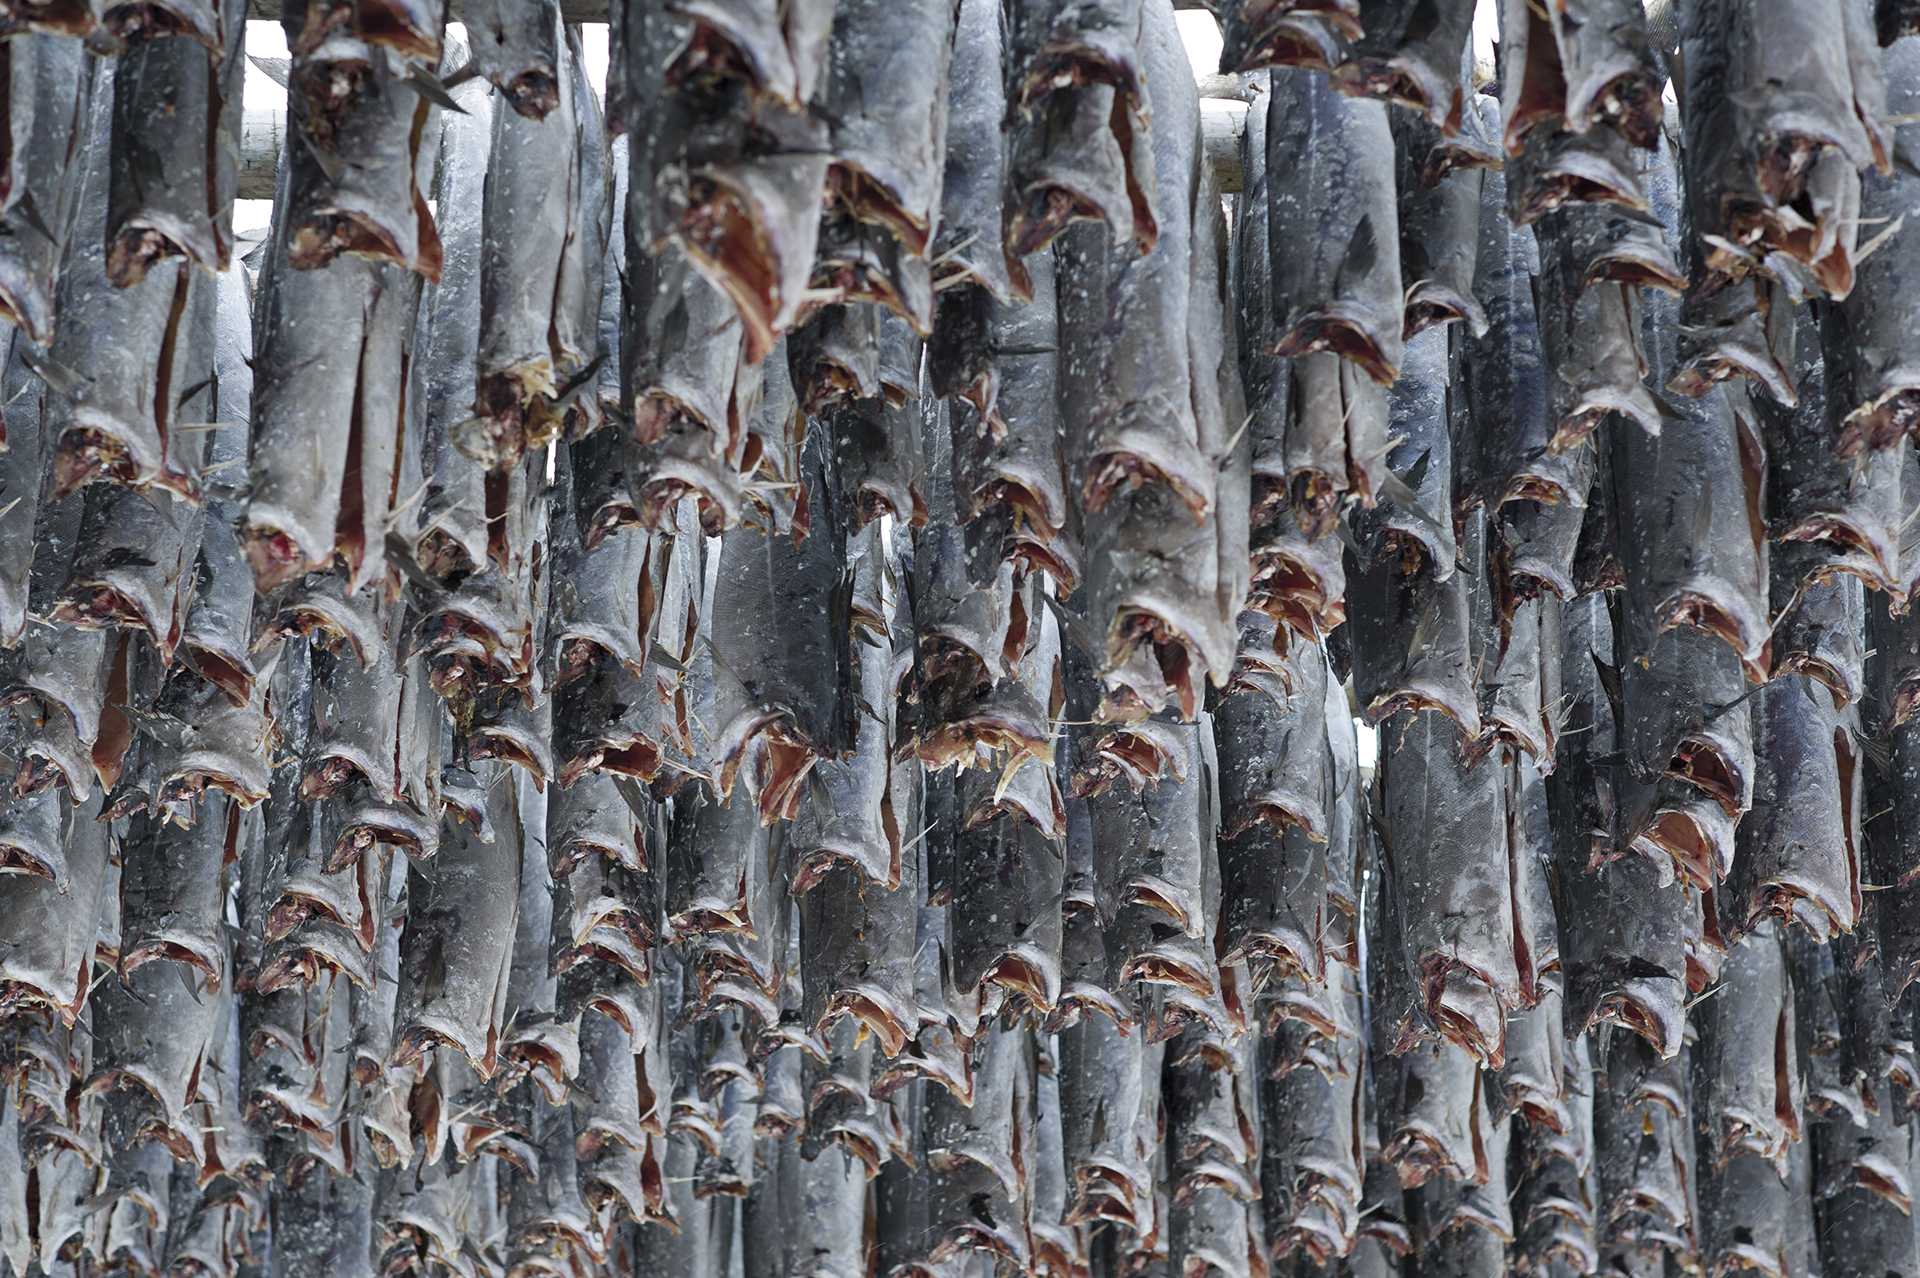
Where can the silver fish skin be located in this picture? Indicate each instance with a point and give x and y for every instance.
(58, 919)
(444, 997)
(1260, 33)
(793, 699)
(358, 186)
(542, 248)
(329, 344)
(1439, 224)
(1881, 384)
(1747, 1058)
(1844, 514)
(969, 244)
(1130, 408)
(1413, 646)
(1411, 56)
(682, 347)
(1800, 849)
(1344, 296)
(441, 508)
(1774, 119)
(108, 423)
(412, 28)
(780, 49)
(50, 91)
(172, 186)
(1456, 904)
(1611, 75)
(518, 47)
(1590, 338)
(1692, 540)
(885, 94)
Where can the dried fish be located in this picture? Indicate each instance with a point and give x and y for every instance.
(1799, 854)
(1344, 293)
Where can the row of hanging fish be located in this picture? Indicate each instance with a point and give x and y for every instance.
(778, 690)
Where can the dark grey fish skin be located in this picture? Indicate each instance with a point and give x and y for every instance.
(56, 919)
(1643, 1153)
(1821, 633)
(21, 468)
(1077, 157)
(1799, 848)
(517, 45)
(1444, 828)
(1164, 562)
(1432, 1115)
(1127, 391)
(112, 422)
(440, 510)
(881, 471)
(357, 186)
(1098, 43)
(1770, 120)
(1845, 513)
(457, 954)
(131, 572)
(49, 93)
(1416, 531)
(1895, 18)
(1748, 1095)
(1875, 343)
(155, 1031)
(970, 246)
(885, 95)
(781, 636)
(1621, 952)
(1743, 1215)
(1692, 537)
(1439, 222)
(1892, 855)
(1685, 716)
(173, 187)
(542, 250)
(747, 217)
(1411, 55)
(856, 956)
(1557, 169)
(411, 28)
(1109, 1098)
(1011, 455)
(1589, 338)
(1082, 113)
(1413, 645)
(779, 49)
(548, 1222)
(171, 895)
(681, 349)
(1344, 293)
(1312, 1149)
(1273, 752)
(1262, 33)
(328, 351)
(1610, 71)
(1005, 919)
(58, 691)
(1516, 446)
(1535, 550)
(323, 1224)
